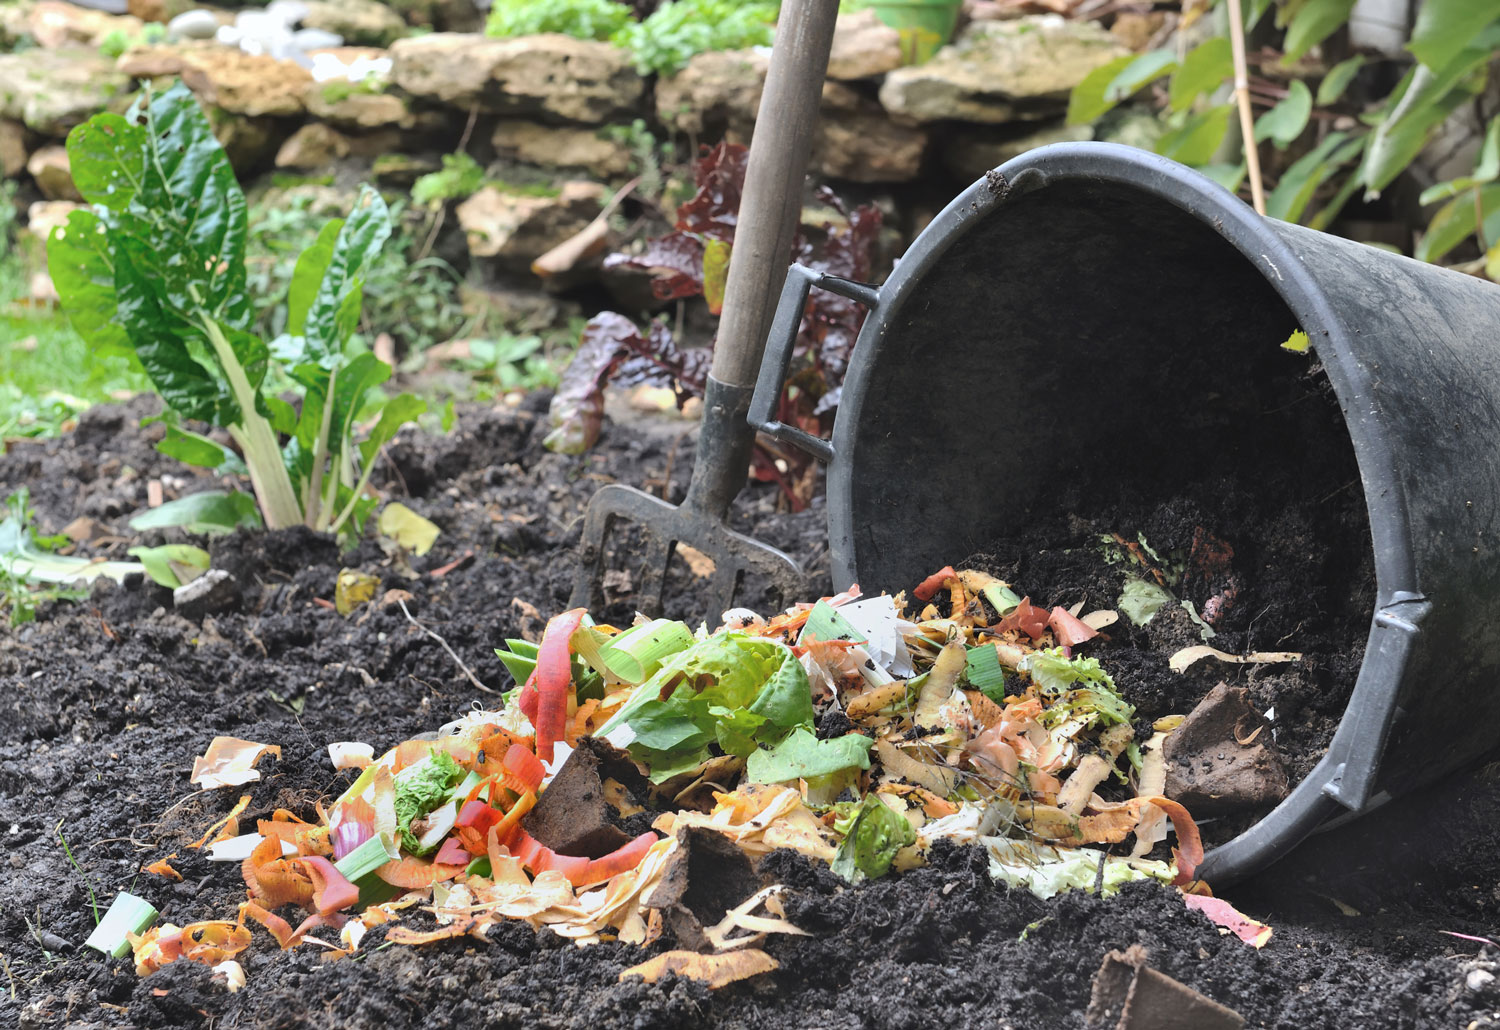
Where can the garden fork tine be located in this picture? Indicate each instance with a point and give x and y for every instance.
(769, 208)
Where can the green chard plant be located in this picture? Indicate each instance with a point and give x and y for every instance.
(156, 266)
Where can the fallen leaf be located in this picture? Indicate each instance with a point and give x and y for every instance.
(229, 762)
(1189, 656)
(715, 970)
(407, 528)
(1231, 919)
(699, 563)
(352, 589)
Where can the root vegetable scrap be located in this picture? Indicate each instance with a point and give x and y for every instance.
(971, 727)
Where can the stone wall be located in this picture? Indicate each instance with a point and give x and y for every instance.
(542, 103)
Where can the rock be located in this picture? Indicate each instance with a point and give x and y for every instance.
(352, 105)
(214, 591)
(559, 147)
(53, 90)
(315, 146)
(49, 167)
(549, 76)
(362, 22)
(1136, 30)
(714, 92)
(442, 15)
(867, 146)
(516, 229)
(1000, 71)
(864, 47)
(718, 93)
(13, 149)
(970, 152)
(194, 24)
(253, 85)
(249, 143)
(53, 23)
(158, 10)
(45, 215)
(1222, 759)
(402, 170)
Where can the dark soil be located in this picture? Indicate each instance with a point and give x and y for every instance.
(107, 702)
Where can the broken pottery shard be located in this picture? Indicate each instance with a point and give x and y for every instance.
(574, 815)
(707, 876)
(1221, 759)
(214, 591)
(1130, 995)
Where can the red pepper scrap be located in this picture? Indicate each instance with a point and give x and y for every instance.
(933, 583)
(544, 699)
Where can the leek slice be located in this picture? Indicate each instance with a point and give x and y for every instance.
(127, 914)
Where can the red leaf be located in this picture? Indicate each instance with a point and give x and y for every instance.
(1027, 618)
(1222, 913)
(675, 263)
(1069, 631)
(933, 583)
(714, 209)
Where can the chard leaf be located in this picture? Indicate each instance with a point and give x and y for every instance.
(328, 323)
(107, 160)
(803, 756)
(83, 271)
(211, 512)
(307, 276)
(398, 411)
(872, 841)
(172, 565)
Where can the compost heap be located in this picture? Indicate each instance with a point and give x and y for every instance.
(850, 730)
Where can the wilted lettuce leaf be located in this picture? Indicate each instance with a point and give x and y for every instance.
(1080, 686)
(873, 839)
(421, 791)
(802, 756)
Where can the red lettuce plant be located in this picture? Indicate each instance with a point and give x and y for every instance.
(693, 260)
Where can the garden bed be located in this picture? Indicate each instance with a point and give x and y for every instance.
(108, 701)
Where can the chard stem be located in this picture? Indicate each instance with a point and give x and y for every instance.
(268, 475)
(320, 457)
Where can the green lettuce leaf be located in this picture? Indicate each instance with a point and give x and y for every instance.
(803, 756)
(731, 690)
(872, 841)
(1079, 685)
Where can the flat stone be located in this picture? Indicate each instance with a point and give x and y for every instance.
(551, 76)
(13, 148)
(194, 24)
(214, 591)
(1222, 759)
(313, 147)
(53, 90)
(49, 167)
(403, 169)
(54, 23)
(866, 146)
(253, 85)
(561, 147)
(362, 22)
(516, 229)
(249, 143)
(349, 106)
(1001, 71)
(972, 150)
(864, 47)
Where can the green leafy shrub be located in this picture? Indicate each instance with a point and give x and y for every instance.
(680, 29)
(460, 177)
(157, 267)
(1338, 147)
(582, 19)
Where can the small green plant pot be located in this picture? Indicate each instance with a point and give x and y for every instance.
(924, 25)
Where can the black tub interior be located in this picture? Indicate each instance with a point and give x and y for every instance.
(1083, 346)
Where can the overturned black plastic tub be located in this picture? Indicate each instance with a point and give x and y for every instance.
(1085, 293)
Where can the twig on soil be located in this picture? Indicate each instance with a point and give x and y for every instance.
(451, 653)
(9, 975)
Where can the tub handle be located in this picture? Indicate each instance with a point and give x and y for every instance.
(778, 356)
